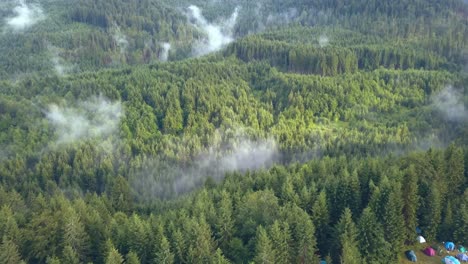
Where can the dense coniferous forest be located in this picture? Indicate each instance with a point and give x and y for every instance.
(158, 131)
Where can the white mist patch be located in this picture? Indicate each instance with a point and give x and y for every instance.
(164, 55)
(94, 118)
(26, 16)
(449, 102)
(120, 39)
(217, 35)
(323, 41)
(245, 154)
(282, 18)
(60, 65)
(161, 179)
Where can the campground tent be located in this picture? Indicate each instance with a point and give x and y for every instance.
(450, 260)
(462, 257)
(429, 251)
(421, 239)
(462, 249)
(449, 246)
(411, 255)
(418, 230)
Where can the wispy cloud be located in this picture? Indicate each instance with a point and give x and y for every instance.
(218, 35)
(323, 41)
(120, 39)
(26, 15)
(450, 103)
(94, 118)
(60, 65)
(164, 55)
(162, 179)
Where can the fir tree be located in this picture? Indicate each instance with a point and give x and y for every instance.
(264, 253)
(346, 239)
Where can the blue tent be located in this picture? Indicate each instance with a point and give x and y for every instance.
(449, 246)
(411, 255)
(450, 260)
(323, 262)
(418, 230)
(462, 257)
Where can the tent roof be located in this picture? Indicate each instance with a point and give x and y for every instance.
(461, 248)
(449, 245)
(429, 251)
(450, 260)
(411, 255)
(462, 257)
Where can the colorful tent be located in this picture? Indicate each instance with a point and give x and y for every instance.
(411, 255)
(449, 246)
(462, 249)
(418, 230)
(462, 257)
(450, 260)
(421, 239)
(429, 251)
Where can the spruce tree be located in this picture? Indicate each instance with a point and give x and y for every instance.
(69, 256)
(394, 222)
(410, 203)
(321, 219)
(346, 239)
(281, 240)
(132, 258)
(371, 239)
(263, 248)
(461, 221)
(114, 257)
(9, 252)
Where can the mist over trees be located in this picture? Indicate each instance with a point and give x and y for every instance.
(231, 131)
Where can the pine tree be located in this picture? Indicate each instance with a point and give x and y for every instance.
(371, 239)
(455, 174)
(53, 260)
(8, 225)
(281, 240)
(346, 237)
(132, 258)
(394, 222)
(224, 222)
(173, 119)
(114, 257)
(431, 213)
(446, 228)
(9, 252)
(162, 251)
(138, 237)
(306, 242)
(410, 203)
(74, 234)
(218, 258)
(179, 245)
(202, 244)
(69, 256)
(121, 195)
(263, 248)
(321, 218)
(461, 221)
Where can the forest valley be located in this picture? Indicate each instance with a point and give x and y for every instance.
(176, 131)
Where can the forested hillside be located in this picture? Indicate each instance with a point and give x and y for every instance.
(159, 131)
